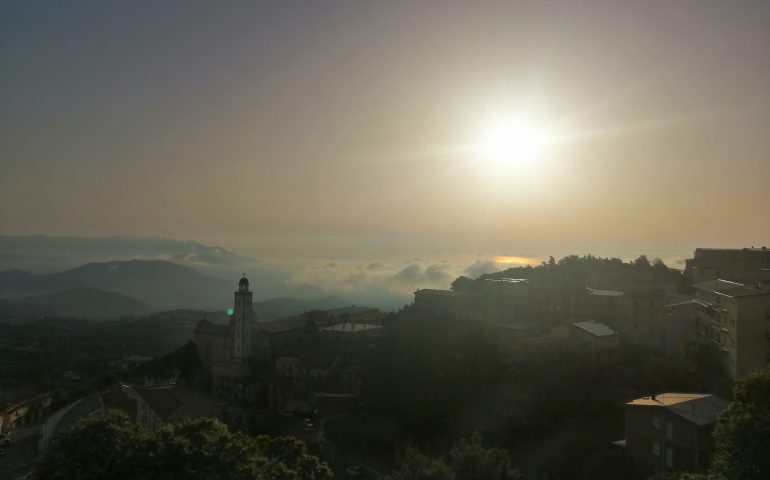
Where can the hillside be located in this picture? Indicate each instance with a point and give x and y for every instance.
(274, 308)
(155, 282)
(79, 302)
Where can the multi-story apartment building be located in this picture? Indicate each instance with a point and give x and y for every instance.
(294, 380)
(736, 319)
(631, 281)
(746, 265)
(672, 431)
(639, 316)
(20, 406)
(491, 301)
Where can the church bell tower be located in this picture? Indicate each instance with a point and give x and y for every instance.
(243, 319)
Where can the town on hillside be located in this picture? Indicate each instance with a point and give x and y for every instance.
(625, 365)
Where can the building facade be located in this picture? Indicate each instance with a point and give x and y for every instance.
(744, 265)
(672, 431)
(736, 320)
(22, 407)
(225, 349)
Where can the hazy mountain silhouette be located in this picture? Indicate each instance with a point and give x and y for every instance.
(46, 253)
(157, 283)
(80, 302)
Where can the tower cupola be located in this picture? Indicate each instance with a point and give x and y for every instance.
(243, 285)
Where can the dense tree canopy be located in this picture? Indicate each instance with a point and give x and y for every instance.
(105, 445)
(570, 269)
(470, 460)
(108, 445)
(417, 466)
(742, 433)
(467, 460)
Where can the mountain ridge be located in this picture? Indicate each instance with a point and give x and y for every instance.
(158, 283)
(48, 252)
(78, 302)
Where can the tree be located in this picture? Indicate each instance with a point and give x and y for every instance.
(203, 448)
(683, 476)
(462, 283)
(469, 460)
(659, 266)
(703, 359)
(291, 453)
(742, 432)
(417, 466)
(641, 262)
(184, 360)
(102, 445)
(108, 445)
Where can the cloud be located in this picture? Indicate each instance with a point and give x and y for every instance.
(516, 260)
(480, 267)
(359, 277)
(367, 276)
(498, 263)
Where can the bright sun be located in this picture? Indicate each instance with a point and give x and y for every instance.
(510, 143)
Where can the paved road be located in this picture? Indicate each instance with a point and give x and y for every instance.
(20, 453)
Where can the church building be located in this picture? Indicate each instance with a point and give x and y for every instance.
(225, 349)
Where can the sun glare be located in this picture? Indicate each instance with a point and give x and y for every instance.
(511, 143)
(515, 260)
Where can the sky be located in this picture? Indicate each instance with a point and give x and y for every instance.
(310, 134)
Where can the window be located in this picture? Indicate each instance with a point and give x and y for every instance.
(655, 422)
(669, 430)
(669, 457)
(656, 449)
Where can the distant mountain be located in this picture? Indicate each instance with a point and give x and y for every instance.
(41, 253)
(274, 308)
(155, 282)
(81, 302)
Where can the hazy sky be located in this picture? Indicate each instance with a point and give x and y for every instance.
(317, 130)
